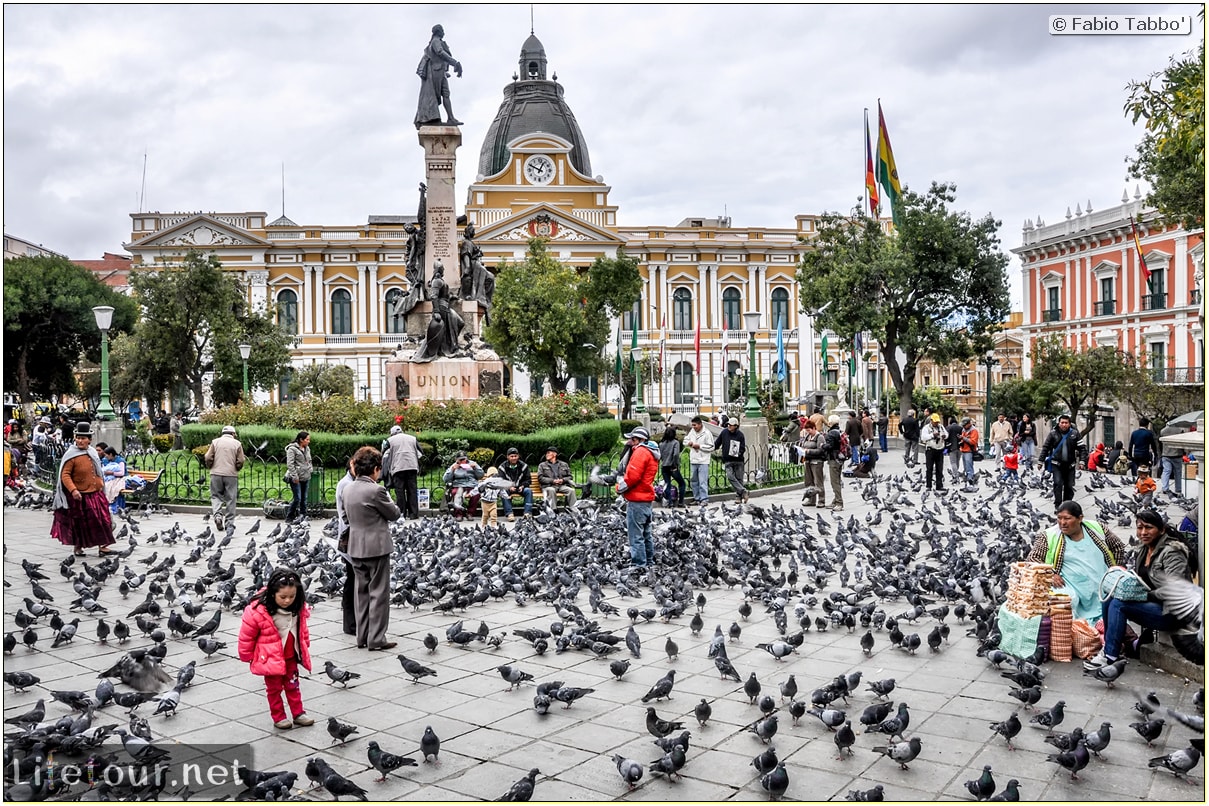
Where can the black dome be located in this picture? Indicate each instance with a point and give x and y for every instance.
(532, 104)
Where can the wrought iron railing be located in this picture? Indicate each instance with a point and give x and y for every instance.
(186, 480)
(1178, 375)
(1051, 315)
(1154, 302)
(1106, 307)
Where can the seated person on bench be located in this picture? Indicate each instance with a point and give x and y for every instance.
(554, 477)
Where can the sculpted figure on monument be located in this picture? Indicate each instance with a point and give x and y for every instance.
(434, 81)
(445, 328)
(468, 252)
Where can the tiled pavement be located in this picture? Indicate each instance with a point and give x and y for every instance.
(491, 737)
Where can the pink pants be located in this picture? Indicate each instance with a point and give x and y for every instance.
(275, 684)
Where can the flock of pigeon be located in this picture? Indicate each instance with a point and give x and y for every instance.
(914, 572)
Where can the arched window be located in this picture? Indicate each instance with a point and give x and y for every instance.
(780, 309)
(287, 311)
(682, 309)
(342, 312)
(732, 314)
(682, 382)
(733, 368)
(394, 324)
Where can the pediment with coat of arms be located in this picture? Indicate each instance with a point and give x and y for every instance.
(201, 232)
(546, 226)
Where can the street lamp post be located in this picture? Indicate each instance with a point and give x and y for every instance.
(752, 320)
(636, 360)
(245, 352)
(104, 317)
(989, 360)
(365, 391)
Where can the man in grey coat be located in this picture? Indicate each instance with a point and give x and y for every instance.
(225, 458)
(403, 468)
(369, 511)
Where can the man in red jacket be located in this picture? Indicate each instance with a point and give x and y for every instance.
(638, 489)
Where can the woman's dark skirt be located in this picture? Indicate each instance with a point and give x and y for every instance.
(85, 523)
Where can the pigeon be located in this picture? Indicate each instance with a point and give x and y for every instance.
(618, 668)
(415, 669)
(766, 761)
(1073, 760)
(169, 702)
(385, 762)
(430, 643)
(541, 703)
(659, 727)
(10, 642)
(702, 711)
(895, 725)
(103, 631)
(67, 633)
(776, 782)
(903, 752)
(1008, 728)
(430, 745)
(209, 646)
(725, 669)
(844, 737)
(255, 528)
(669, 763)
(1029, 696)
(629, 769)
(984, 786)
(633, 642)
(337, 785)
(752, 688)
(1196, 722)
(31, 717)
(765, 728)
(1098, 740)
(789, 689)
(867, 643)
(1179, 762)
(513, 676)
(882, 688)
(184, 675)
(662, 688)
(21, 680)
(1108, 674)
(1147, 705)
(339, 731)
(735, 631)
(874, 795)
(522, 790)
(210, 626)
(778, 649)
(1149, 729)
(1050, 718)
(338, 675)
(671, 648)
(1065, 741)
(831, 717)
(569, 694)
(1010, 793)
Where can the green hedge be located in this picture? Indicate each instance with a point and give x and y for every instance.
(598, 436)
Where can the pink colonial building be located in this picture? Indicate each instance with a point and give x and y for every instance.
(1083, 281)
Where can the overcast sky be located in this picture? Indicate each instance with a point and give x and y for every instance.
(687, 110)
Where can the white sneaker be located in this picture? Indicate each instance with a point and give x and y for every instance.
(511, 519)
(1097, 661)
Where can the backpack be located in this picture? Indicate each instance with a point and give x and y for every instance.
(1122, 465)
(845, 447)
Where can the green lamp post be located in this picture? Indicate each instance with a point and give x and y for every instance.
(245, 352)
(989, 360)
(104, 317)
(752, 320)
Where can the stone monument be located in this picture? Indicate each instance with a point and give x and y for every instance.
(444, 314)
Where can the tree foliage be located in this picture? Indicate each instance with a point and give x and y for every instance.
(932, 288)
(195, 316)
(49, 324)
(323, 381)
(544, 314)
(1159, 402)
(1081, 380)
(1171, 154)
(1030, 396)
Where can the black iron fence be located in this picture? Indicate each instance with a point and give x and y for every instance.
(184, 479)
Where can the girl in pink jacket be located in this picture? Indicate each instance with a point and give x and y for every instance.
(274, 638)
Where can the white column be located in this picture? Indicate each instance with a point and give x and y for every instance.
(320, 300)
(257, 280)
(362, 300)
(375, 298)
(304, 298)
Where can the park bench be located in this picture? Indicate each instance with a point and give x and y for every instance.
(149, 496)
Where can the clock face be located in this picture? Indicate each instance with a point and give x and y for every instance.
(539, 169)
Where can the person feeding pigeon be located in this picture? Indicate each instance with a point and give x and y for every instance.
(1081, 551)
(274, 637)
(638, 489)
(1163, 564)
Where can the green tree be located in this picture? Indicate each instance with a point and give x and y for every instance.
(195, 316)
(932, 288)
(1081, 380)
(323, 381)
(1029, 396)
(1171, 155)
(49, 324)
(544, 314)
(1158, 402)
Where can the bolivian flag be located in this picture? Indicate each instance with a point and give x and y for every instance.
(887, 171)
